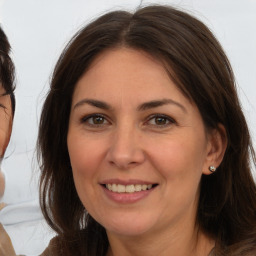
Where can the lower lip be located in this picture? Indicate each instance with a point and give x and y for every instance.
(127, 198)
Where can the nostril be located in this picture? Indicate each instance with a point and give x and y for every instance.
(132, 163)
(123, 163)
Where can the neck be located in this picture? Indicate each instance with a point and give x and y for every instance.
(183, 243)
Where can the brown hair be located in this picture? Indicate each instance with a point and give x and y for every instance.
(200, 68)
(7, 72)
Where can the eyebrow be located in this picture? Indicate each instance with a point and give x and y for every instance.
(159, 103)
(142, 107)
(94, 103)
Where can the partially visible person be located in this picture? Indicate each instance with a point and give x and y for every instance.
(144, 146)
(7, 100)
(22, 227)
(7, 107)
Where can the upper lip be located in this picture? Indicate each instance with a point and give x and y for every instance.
(126, 182)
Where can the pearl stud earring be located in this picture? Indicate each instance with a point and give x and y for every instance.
(212, 168)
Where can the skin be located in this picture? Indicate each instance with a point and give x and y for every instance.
(5, 129)
(6, 248)
(133, 139)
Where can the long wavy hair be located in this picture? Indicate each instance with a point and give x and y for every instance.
(196, 62)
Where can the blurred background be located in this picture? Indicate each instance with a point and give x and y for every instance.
(38, 31)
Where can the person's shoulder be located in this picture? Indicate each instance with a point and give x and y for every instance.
(59, 246)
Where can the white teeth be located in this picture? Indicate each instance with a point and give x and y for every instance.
(144, 187)
(128, 188)
(120, 188)
(113, 188)
(137, 187)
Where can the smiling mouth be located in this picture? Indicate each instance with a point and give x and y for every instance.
(119, 188)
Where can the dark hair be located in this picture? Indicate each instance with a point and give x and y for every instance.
(198, 65)
(7, 71)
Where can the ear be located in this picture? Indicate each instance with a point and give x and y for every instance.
(217, 144)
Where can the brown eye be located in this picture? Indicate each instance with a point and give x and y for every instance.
(160, 121)
(95, 120)
(98, 120)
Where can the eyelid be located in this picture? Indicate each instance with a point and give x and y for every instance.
(170, 120)
(85, 118)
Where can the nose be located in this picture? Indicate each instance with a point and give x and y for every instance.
(125, 149)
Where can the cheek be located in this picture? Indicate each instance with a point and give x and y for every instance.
(85, 155)
(84, 158)
(178, 156)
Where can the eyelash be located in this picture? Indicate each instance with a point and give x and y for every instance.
(169, 121)
(87, 118)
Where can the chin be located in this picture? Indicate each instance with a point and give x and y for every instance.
(128, 232)
(129, 227)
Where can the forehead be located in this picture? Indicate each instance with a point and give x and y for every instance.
(127, 72)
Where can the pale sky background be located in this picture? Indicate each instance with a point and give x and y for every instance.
(38, 31)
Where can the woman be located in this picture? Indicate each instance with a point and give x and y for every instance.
(144, 148)
(7, 107)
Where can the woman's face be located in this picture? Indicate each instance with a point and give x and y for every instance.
(137, 146)
(5, 120)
